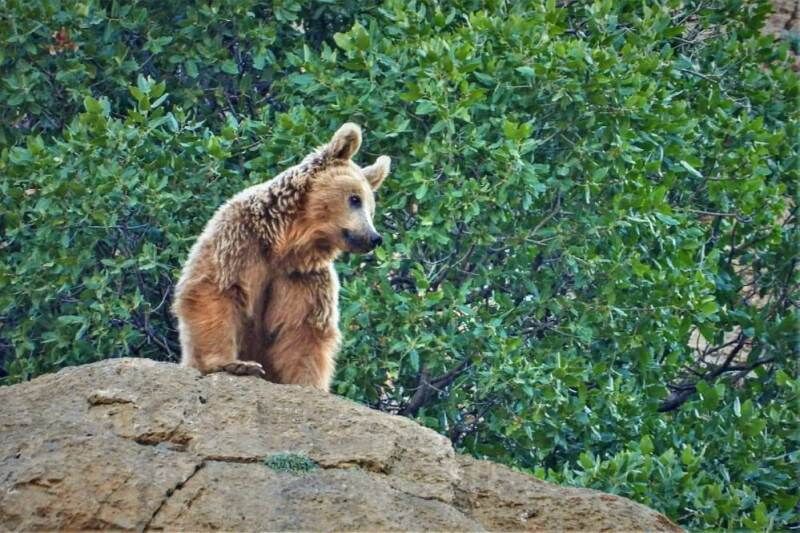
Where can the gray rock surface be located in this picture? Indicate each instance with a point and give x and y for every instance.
(136, 444)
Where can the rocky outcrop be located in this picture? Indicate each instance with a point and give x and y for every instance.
(135, 444)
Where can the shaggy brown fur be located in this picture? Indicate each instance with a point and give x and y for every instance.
(258, 293)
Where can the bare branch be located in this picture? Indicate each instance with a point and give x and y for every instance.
(427, 387)
(746, 369)
(682, 392)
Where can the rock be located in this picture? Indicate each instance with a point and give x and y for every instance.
(136, 444)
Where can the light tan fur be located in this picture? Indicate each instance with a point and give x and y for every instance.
(258, 293)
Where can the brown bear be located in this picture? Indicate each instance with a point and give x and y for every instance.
(258, 293)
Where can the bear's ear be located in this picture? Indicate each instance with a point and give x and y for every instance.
(345, 142)
(377, 172)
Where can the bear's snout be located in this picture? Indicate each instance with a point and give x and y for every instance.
(363, 243)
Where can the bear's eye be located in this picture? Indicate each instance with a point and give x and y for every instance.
(355, 201)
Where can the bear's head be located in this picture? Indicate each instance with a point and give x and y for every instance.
(341, 203)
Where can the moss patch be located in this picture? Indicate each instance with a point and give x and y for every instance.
(290, 462)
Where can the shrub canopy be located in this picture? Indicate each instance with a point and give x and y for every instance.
(590, 259)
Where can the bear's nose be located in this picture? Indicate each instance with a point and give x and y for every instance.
(375, 240)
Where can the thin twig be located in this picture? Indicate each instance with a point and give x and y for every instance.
(547, 217)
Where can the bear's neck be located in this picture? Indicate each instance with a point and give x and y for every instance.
(277, 207)
(305, 262)
(302, 249)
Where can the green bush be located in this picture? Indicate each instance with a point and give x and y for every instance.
(216, 58)
(579, 189)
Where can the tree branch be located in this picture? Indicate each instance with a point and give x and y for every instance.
(746, 369)
(427, 387)
(681, 393)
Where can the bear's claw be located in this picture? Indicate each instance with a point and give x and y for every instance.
(245, 368)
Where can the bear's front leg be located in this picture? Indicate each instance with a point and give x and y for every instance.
(210, 323)
(303, 316)
(304, 357)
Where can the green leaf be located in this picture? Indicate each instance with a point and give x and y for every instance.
(586, 461)
(360, 37)
(342, 40)
(425, 107)
(191, 69)
(709, 307)
(691, 169)
(526, 72)
(144, 84)
(92, 105)
(413, 358)
(687, 455)
(229, 66)
(646, 445)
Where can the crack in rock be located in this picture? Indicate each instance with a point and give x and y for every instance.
(178, 486)
(232, 459)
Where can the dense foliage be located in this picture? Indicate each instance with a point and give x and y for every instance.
(590, 259)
